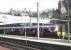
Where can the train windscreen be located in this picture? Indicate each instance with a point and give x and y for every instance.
(51, 28)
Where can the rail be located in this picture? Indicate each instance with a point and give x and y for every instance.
(17, 46)
(29, 45)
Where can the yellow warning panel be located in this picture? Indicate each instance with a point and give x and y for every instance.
(63, 33)
(58, 33)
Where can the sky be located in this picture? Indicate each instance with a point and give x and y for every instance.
(5, 5)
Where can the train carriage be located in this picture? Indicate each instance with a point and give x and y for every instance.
(44, 30)
(16, 25)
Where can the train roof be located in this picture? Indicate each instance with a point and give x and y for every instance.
(9, 19)
(45, 26)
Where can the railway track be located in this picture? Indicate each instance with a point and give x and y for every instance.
(15, 46)
(27, 45)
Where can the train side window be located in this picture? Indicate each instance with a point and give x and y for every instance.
(7, 30)
(11, 29)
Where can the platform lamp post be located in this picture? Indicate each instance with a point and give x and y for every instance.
(68, 22)
(37, 20)
(4, 25)
(68, 31)
(25, 27)
(23, 14)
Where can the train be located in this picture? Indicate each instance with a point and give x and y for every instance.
(16, 26)
(46, 30)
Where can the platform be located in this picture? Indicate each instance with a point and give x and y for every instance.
(41, 40)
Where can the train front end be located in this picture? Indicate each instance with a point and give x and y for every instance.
(51, 30)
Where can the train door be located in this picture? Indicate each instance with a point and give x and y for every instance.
(41, 30)
(22, 31)
(32, 32)
(61, 31)
(27, 31)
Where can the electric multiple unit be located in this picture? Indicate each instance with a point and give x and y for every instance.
(16, 26)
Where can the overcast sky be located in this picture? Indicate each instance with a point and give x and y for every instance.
(5, 5)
